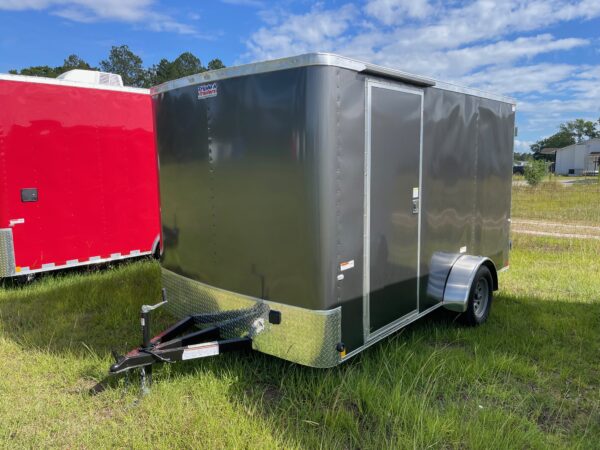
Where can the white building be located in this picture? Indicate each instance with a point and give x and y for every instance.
(578, 159)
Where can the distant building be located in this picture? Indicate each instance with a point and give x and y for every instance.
(578, 159)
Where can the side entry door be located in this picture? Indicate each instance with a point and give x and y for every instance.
(394, 116)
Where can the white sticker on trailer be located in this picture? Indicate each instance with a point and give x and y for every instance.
(15, 222)
(347, 265)
(201, 350)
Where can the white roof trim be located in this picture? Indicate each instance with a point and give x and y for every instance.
(320, 59)
(78, 84)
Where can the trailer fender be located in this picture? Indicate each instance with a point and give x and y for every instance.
(458, 284)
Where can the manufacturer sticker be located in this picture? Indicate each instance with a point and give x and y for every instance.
(207, 90)
(13, 222)
(347, 265)
(463, 249)
(200, 350)
(415, 192)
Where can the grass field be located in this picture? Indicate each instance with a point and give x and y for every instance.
(559, 199)
(529, 378)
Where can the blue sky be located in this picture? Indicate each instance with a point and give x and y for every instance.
(545, 53)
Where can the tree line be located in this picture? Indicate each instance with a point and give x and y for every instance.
(121, 60)
(571, 132)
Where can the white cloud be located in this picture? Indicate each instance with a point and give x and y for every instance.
(534, 78)
(293, 34)
(140, 12)
(492, 45)
(522, 146)
(396, 11)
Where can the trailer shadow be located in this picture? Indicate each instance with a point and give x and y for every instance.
(82, 311)
(94, 313)
(434, 362)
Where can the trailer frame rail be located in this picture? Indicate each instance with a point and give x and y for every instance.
(185, 341)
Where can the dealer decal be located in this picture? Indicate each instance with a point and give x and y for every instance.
(207, 90)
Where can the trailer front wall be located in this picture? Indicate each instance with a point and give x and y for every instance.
(239, 185)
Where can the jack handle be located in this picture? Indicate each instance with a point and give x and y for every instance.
(145, 318)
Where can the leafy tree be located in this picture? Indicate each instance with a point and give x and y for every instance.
(184, 65)
(38, 71)
(124, 62)
(522, 156)
(74, 62)
(160, 73)
(568, 133)
(215, 64)
(71, 62)
(581, 129)
(535, 172)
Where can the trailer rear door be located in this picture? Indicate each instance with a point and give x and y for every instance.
(392, 191)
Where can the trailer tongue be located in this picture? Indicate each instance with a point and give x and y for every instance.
(195, 336)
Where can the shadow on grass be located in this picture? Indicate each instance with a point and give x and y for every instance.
(79, 312)
(431, 363)
(527, 350)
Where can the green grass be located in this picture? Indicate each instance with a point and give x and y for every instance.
(553, 201)
(529, 378)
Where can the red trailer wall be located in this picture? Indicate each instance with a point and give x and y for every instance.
(91, 155)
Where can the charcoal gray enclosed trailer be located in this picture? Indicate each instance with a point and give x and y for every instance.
(345, 199)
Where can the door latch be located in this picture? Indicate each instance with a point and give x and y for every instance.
(415, 206)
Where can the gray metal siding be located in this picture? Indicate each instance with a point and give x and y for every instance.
(449, 177)
(349, 100)
(467, 173)
(239, 181)
(263, 185)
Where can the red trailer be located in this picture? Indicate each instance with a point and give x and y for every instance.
(78, 172)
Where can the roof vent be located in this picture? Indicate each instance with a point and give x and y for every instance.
(92, 77)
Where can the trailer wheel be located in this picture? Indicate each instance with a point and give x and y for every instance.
(480, 298)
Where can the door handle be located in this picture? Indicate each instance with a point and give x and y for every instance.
(415, 206)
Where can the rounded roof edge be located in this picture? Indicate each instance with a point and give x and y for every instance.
(320, 59)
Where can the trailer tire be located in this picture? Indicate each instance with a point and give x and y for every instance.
(481, 295)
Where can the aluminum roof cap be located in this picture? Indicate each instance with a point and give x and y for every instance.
(319, 59)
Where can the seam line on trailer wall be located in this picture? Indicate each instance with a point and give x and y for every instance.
(212, 185)
(366, 212)
(474, 249)
(420, 205)
(338, 193)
